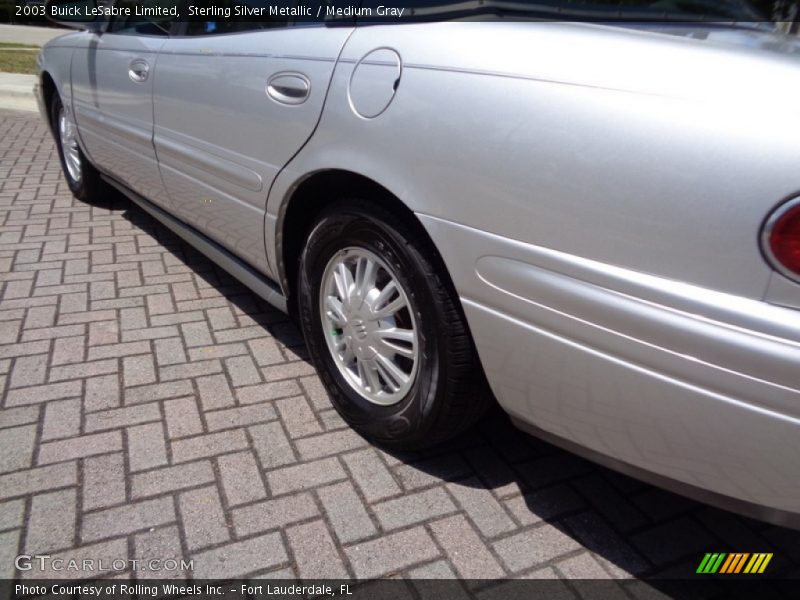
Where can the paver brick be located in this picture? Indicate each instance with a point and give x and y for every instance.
(16, 447)
(12, 514)
(202, 517)
(534, 547)
(413, 508)
(183, 418)
(271, 445)
(391, 553)
(29, 370)
(186, 370)
(51, 525)
(43, 393)
(242, 371)
(79, 447)
(103, 555)
(267, 391)
(370, 474)
(270, 514)
(102, 393)
(103, 481)
(122, 417)
(9, 543)
(38, 479)
(127, 519)
(208, 445)
(482, 507)
(215, 391)
(62, 418)
(470, 556)
(146, 446)
(238, 417)
(118, 350)
(240, 558)
(327, 444)
(68, 350)
(304, 476)
(346, 513)
(158, 391)
(315, 553)
(169, 351)
(160, 545)
(169, 479)
(138, 370)
(241, 479)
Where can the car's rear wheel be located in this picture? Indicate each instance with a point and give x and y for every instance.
(82, 178)
(385, 330)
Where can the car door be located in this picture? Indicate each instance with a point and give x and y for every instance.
(233, 102)
(112, 85)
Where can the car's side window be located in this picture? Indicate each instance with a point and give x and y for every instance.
(156, 23)
(230, 16)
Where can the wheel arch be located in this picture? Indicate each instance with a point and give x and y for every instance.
(49, 90)
(310, 196)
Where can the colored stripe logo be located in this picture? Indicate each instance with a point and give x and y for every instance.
(734, 563)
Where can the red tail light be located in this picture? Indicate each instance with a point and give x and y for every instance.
(782, 239)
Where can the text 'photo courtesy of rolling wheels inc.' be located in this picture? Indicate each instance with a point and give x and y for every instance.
(415, 300)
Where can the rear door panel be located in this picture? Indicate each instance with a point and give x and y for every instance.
(114, 112)
(221, 139)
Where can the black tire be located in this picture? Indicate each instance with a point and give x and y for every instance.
(89, 187)
(449, 392)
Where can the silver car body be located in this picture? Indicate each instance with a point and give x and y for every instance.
(596, 193)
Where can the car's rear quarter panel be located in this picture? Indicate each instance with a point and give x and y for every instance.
(646, 154)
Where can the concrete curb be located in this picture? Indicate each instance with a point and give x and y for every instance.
(16, 91)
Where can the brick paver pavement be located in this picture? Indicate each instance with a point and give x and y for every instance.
(153, 408)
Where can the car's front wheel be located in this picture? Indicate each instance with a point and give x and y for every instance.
(384, 328)
(82, 178)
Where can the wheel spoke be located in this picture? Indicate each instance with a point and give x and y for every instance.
(348, 356)
(369, 376)
(343, 279)
(390, 372)
(366, 271)
(387, 336)
(382, 307)
(391, 308)
(335, 312)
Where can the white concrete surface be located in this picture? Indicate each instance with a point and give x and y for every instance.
(16, 91)
(27, 34)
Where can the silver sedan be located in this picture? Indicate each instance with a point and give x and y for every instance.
(596, 225)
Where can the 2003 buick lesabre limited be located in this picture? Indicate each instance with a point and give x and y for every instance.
(602, 220)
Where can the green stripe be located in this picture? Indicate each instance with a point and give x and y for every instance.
(703, 563)
(717, 564)
(711, 562)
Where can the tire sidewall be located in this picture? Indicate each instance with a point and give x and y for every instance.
(409, 418)
(78, 189)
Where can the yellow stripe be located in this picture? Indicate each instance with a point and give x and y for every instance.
(765, 563)
(753, 564)
(728, 560)
(741, 562)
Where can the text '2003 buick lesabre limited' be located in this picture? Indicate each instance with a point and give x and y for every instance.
(600, 221)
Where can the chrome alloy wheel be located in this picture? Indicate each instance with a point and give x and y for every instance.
(369, 326)
(69, 145)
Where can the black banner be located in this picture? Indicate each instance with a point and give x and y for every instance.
(702, 587)
(280, 12)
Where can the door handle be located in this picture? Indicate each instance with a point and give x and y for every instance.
(138, 70)
(288, 88)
